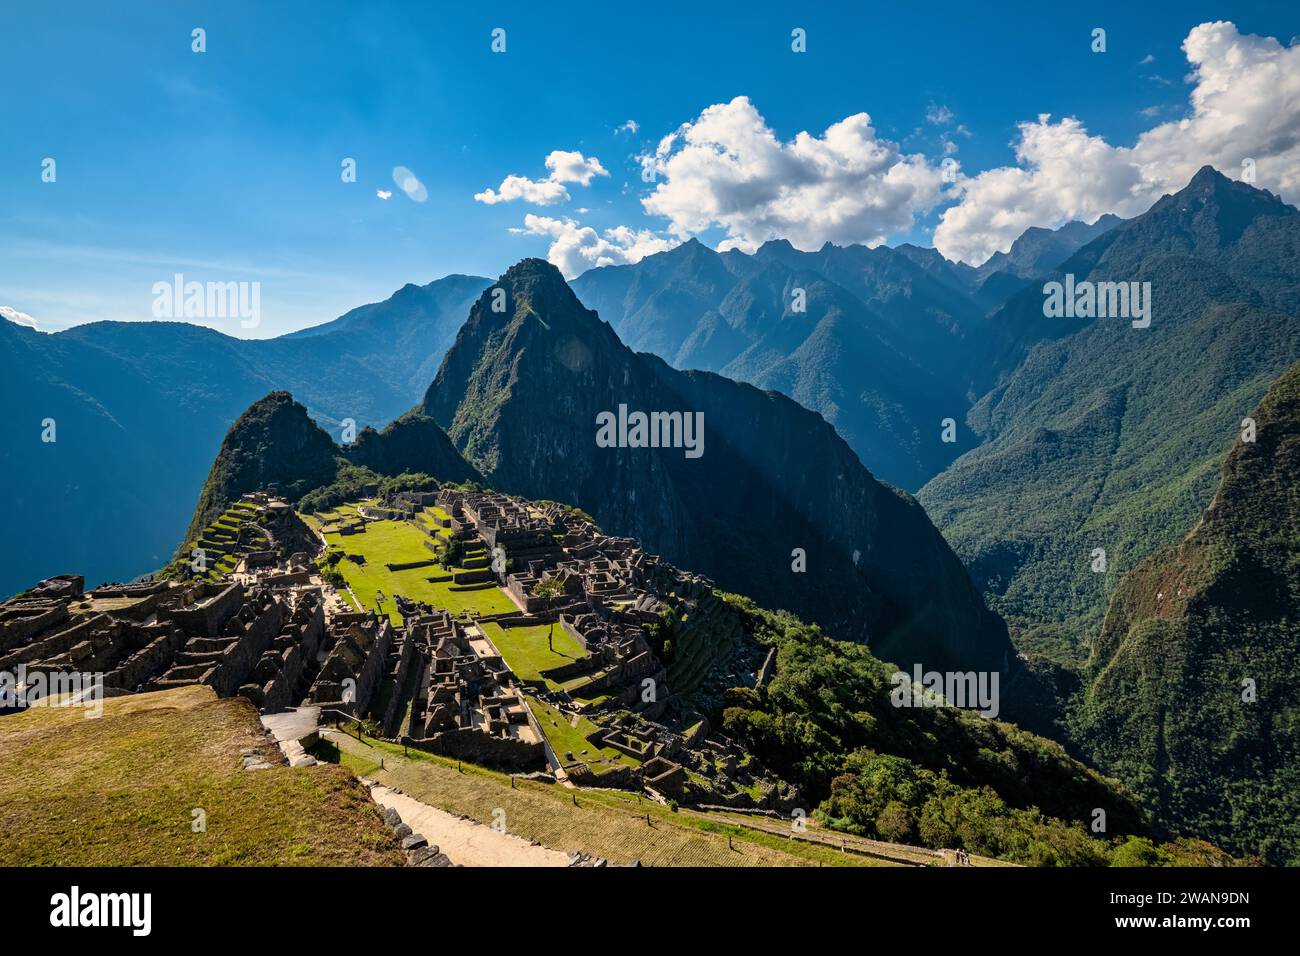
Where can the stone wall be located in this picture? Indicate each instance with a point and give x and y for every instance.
(406, 658)
(505, 753)
(237, 662)
(214, 606)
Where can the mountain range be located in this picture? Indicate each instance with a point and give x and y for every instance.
(1069, 435)
(1084, 500)
(140, 410)
(144, 407)
(876, 340)
(1105, 436)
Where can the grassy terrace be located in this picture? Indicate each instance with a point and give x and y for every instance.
(527, 652)
(120, 790)
(398, 542)
(565, 738)
(429, 518)
(220, 539)
(602, 822)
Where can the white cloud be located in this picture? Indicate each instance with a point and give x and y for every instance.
(728, 169)
(937, 115)
(566, 166)
(572, 167)
(18, 318)
(1146, 59)
(1242, 105)
(631, 126)
(544, 192)
(576, 248)
(383, 194)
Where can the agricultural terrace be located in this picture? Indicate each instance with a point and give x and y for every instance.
(400, 542)
(220, 540)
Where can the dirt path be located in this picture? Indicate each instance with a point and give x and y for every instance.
(463, 841)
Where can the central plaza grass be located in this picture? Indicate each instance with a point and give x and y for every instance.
(399, 542)
(121, 790)
(527, 653)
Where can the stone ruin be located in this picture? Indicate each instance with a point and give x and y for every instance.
(270, 629)
(465, 702)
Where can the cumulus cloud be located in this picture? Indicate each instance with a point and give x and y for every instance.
(1243, 104)
(631, 126)
(576, 248)
(16, 317)
(566, 166)
(728, 169)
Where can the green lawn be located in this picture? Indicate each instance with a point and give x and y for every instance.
(526, 651)
(565, 738)
(398, 542)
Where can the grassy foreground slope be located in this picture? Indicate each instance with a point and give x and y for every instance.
(121, 790)
(605, 823)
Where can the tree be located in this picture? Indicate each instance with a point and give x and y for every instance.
(452, 553)
(548, 589)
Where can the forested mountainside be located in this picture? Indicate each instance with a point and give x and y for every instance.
(1193, 688)
(276, 444)
(876, 340)
(1105, 436)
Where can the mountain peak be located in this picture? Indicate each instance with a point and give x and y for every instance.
(775, 245)
(1209, 183)
(531, 267)
(532, 286)
(274, 442)
(1207, 177)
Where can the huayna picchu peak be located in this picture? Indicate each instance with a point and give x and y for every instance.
(521, 393)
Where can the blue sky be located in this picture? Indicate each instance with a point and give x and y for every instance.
(225, 165)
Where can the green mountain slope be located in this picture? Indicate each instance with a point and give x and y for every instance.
(275, 444)
(1107, 436)
(1194, 685)
(935, 776)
